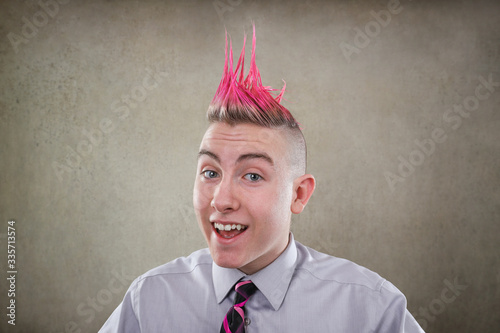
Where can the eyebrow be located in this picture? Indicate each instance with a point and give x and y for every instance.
(241, 158)
(250, 156)
(208, 153)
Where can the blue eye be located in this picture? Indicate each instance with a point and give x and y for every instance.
(209, 174)
(253, 177)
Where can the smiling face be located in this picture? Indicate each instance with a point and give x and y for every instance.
(245, 191)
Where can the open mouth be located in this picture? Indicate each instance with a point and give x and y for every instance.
(229, 230)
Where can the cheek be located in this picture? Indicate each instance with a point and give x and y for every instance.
(283, 202)
(201, 196)
(277, 202)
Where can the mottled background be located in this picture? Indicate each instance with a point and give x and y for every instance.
(102, 110)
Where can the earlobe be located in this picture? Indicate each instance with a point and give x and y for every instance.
(303, 189)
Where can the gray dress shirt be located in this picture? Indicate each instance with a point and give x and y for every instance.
(301, 291)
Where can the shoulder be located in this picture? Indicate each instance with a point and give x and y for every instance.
(366, 301)
(151, 294)
(343, 272)
(198, 263)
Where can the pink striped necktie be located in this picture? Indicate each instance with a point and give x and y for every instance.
(234, 322)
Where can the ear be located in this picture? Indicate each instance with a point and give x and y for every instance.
(303, 188)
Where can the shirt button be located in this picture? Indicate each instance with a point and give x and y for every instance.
(247, 321)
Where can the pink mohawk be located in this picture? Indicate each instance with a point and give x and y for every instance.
(239, 100)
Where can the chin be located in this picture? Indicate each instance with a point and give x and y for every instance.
(222, 260)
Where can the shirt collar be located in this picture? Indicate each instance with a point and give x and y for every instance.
(273, 280)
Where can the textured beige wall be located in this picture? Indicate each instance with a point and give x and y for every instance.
(102, 109)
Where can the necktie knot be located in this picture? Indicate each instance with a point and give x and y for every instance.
(244, 290)
(235, 317)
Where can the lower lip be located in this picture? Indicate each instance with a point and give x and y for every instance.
(225, 240)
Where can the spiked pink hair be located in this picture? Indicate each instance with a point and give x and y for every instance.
(239, 100)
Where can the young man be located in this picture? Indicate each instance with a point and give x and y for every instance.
(254, 277)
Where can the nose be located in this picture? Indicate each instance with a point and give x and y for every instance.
(224, 199)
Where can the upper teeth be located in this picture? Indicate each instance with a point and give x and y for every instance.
(228, 227)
